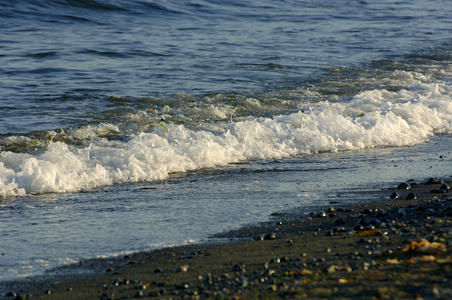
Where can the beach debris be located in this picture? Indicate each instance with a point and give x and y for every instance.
(370, 232)
(306, 272)
(424, 247)
(392, 261)
(423, 258)
(344, 280)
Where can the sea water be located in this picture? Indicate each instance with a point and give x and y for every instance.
(132, 125)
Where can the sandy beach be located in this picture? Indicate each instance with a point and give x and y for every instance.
(397, 248)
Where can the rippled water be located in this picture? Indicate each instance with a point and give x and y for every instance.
(166, 118)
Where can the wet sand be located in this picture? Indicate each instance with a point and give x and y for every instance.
(391, 249)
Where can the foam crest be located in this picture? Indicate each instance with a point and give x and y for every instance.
(374, 118)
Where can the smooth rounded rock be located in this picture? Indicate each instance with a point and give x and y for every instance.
(270, 236)
(411, 196)
(338, 222)
(445, 187)
(11, 294)
(394, 195)
(321, 215)
(404, 186)
(433, 180)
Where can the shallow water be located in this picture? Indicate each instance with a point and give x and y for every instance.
(48, 230)
(128, 125)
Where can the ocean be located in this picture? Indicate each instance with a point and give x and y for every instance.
(135, 125)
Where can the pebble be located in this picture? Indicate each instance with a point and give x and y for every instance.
(394, 195)
(321, 215)
(432, 180)
(272, 288)
(338, 222)
(445, 187)
(404, 186)
(270, 236)
(139, 294)
(106, 296)
(11, 294)
(181, 269)
(182, 286)
(116, 281)
(239, 268)
(411, 196)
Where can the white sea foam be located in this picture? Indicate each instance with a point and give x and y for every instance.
(373, 118)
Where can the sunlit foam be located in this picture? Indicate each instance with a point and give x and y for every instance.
(373, 118)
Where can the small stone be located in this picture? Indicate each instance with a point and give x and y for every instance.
(367, 211)
(152, 294)
(116, 281)
(11, 294)
(411, 196)
(404, 186)
(331, 269)
(433, 180)
(157, 270)
(181, 269)
(358, 228)
(364, 221)
(394, 195)
(339, 221)
(433, 293)
(270, 236)
(139, 294)
(239, 268)
(272, 288)
(106, 296)
(321, 215)
(275, 260)
(331, 209)
(339, 229)
(182, 286)
(445, 187)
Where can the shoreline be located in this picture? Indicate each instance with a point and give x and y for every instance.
(390, 249)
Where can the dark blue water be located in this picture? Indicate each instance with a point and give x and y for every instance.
(155, 123)
(62, 61)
